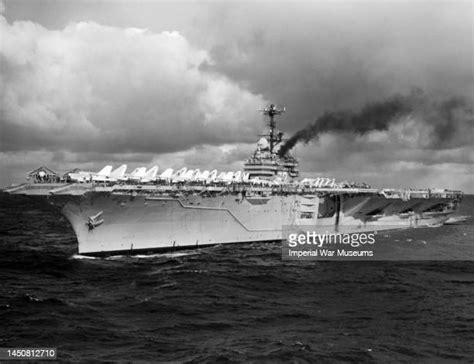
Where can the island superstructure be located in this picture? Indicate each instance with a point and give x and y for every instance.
(112, 212)
(265, 162)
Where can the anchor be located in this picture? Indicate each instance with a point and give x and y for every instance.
(94, 221)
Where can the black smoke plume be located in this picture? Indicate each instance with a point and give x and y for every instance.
(446, 116)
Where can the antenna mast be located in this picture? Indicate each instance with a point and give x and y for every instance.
(271, 111)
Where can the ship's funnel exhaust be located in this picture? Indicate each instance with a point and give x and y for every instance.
(446, 116)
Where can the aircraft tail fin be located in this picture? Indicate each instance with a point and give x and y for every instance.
(105, 172)
(151, 173)
(119, 172)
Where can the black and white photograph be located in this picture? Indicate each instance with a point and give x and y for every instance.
(237, 181)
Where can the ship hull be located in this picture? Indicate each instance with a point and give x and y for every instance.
(108, 223)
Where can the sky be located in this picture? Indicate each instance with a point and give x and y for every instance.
(89, 83)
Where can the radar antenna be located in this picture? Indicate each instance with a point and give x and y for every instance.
(271, 111)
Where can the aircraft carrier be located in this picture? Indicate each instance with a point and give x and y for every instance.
(113, 212)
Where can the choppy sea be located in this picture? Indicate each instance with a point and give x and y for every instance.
(234, 303)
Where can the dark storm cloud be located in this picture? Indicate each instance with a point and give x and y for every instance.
(88, 86)
(326, 57)
(77, 78)
(318, 56)
(387, 159)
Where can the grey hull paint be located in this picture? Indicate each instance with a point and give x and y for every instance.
(141, 223)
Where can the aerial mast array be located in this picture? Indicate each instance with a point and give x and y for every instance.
(275, 137)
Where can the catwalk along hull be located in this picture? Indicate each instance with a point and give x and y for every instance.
(127, 219)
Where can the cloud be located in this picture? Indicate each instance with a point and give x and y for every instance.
(388, 158)
(317, 56)
(226, 157)
(87, 94)
(90, 87)
(320, 57)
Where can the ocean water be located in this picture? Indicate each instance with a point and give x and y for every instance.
(234, 303)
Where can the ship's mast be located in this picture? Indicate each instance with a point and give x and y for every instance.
(275, 137)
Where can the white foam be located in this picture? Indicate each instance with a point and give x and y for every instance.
(79, 256)
(164, 255)
(138, 256)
